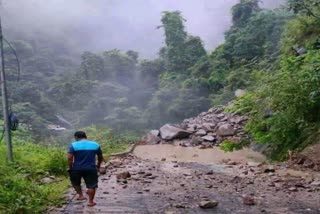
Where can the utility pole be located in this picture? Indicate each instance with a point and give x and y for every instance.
(7, 131)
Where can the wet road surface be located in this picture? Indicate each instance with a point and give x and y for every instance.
(173, 186)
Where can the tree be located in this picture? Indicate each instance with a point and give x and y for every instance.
(133, 55)
(307, 7)
(121, 66)
(92, 66)
(181, 51)
(172, 22)
(242, 11)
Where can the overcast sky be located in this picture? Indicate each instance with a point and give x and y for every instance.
(99, 25)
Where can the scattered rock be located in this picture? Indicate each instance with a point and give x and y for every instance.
(180, 206)
(253, 164)
(315, 183)
(240, 93)
(208, 204)
(123, 175)
(293, 189)
(46, 180)
(210, 172)
(205, 146)
(170, 132)
(231, 163)
(155, 132)
(208, 138)
(226, 130)
(102, 170)
(163, 159)
(200, 132)
(148, 174)
(195, 140)
(151, 139)
(248, 200)
(269, 168)
(208, 127)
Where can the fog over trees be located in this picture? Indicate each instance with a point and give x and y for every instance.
(98, 25)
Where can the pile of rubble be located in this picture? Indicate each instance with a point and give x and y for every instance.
(207, 129)
(307, 159)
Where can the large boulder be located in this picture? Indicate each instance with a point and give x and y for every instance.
(155, 132)
(226, 130)
(150, 138)
(170, 132)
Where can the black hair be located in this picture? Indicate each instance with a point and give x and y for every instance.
(80, 135)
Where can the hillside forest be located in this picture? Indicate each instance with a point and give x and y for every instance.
(271, 54)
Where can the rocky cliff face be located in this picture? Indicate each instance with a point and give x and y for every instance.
(206, 130)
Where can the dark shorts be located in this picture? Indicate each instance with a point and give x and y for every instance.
(90, 178)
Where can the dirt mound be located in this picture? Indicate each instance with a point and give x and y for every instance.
(308, 159)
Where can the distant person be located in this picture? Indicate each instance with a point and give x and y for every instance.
(82, 164)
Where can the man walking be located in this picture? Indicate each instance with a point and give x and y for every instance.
(82, 164)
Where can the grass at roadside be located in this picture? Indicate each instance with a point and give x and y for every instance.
(21, 189)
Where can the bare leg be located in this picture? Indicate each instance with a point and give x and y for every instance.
(79, 191)
(91, 193)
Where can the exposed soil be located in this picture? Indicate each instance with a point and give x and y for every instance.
(308, 159)
(186, 176)
(193, 154)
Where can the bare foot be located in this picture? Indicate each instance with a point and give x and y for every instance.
(91, 204)
(81, 198)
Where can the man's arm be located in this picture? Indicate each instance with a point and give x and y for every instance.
(70, 157)
(70, 160)
(100, 158)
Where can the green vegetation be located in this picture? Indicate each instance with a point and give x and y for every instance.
(21, 187)
(229, 146)
(284, 102)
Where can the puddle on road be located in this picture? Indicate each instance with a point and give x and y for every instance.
(193, 154)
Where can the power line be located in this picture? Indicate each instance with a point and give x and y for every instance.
(7, 131)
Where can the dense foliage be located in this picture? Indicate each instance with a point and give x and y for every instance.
(21, 187)
(284, 102)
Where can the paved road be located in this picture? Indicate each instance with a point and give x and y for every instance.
(175, 187)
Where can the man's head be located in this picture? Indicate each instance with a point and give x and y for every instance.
(79, 135)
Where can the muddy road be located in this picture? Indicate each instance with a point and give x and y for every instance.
(173, 180)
